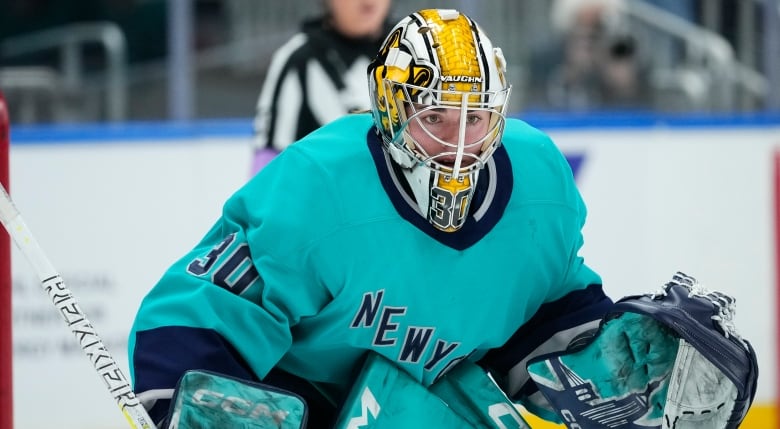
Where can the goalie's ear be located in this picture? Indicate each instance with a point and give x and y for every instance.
(704, 319)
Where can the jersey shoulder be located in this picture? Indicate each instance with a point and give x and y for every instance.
(537, 160)
(313, 185)
(522, 136)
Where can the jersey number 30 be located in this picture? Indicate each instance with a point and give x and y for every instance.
(229, 264)
(447, 210)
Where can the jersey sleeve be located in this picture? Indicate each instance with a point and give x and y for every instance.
(573, 309)
(229, 305)
(578, 275)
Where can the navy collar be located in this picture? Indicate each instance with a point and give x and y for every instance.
(491, 196)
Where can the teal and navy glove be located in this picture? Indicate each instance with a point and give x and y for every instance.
(671, 359)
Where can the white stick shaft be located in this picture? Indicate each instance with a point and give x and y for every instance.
(77, 321)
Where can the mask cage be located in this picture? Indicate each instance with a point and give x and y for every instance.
(409, 104)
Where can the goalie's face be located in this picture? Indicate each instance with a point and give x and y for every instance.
(439, 96)
(447, 143)
(449, 139)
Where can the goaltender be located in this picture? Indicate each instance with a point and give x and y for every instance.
(408, 267)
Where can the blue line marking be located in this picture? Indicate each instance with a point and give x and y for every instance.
(242, 127)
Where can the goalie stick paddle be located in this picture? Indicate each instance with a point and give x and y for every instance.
(77, 321)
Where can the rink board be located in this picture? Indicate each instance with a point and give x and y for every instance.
(113, 206)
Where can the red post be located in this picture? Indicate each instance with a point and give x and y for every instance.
(6, 343)
(777, 274)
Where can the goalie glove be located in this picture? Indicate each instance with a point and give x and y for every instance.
(671, 359)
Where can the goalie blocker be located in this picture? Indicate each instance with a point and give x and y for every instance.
(383, 397)
(668, 360)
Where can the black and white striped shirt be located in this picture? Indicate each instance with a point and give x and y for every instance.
(315, 77)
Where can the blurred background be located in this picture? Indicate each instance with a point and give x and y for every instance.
(139, 60)
(667, 110)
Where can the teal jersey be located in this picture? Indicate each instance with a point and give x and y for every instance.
(322, 257)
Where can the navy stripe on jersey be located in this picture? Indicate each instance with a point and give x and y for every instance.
(552, 328)
(198, 348)
(185, 348)
(497, 186)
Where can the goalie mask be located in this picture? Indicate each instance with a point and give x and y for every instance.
(672, 359)
(439, 96)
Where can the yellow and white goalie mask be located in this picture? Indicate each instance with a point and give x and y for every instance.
(439, 96)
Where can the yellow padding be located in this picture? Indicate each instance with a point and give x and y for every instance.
(760, 416)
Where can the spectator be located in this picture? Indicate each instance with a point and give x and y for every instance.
(318, 75)
(593, 63)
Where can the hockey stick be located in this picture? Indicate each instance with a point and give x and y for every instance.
(77, 321)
